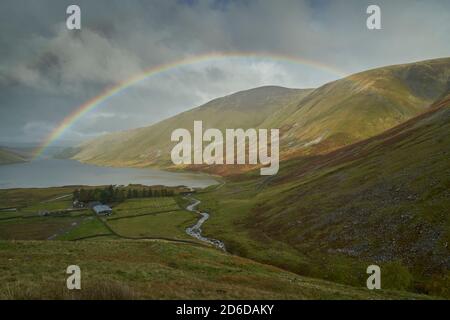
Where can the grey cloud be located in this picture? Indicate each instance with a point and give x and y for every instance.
(69, 62)
(47, 71)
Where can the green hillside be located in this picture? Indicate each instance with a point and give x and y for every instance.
(384, 200)
(363, 105)
(140, 252)
(156, 270)
(310, 121)
(124, 256)
(152, 145)
(8, 157)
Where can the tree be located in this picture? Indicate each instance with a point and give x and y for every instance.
(76, 195)
(83, 195)
(110, 193)
(103, 196)
(121, 195)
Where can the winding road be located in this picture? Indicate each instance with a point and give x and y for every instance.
(196, 231)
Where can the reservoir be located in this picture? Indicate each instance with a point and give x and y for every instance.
(54, 173)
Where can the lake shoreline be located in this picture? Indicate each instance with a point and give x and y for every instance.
(47, 173)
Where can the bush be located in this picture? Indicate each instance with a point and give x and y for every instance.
(396, 276)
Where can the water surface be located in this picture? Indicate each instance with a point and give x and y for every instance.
(54, 173)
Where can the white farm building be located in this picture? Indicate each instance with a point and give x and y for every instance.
(102, 210)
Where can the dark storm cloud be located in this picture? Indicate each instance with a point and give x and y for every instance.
(46, 71)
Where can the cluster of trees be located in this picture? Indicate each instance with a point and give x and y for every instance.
(115, 194)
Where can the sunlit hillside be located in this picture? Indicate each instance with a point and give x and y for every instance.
(310, 121)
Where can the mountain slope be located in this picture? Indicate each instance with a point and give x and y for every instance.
(365, 104)
(381, 201)
(152, 145)
(310, 121)
(388, 187)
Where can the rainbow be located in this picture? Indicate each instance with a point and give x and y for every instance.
(115, 89)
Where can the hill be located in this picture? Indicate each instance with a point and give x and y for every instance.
(383, 200)
(310, 121)
(152, 145)
(155, 270)
(365, 104)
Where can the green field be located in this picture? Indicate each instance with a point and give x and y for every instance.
(39, 228)
(136, 207)
(134, 218)
(88, 228)
(24, 197)
(150, 218)
(170, 224)
(28, 222)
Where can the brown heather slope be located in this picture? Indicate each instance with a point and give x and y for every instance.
(384, 200)
(366, 104)
(311, 122)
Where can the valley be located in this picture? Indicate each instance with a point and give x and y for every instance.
(141, 252)
(364, 178)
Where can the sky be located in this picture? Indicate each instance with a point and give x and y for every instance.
(48, 71)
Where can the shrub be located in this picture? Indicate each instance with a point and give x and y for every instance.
(394, 275)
